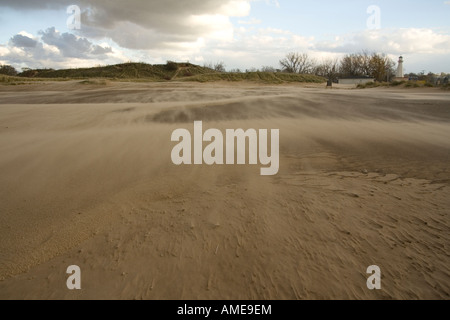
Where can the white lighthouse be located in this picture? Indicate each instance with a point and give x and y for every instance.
(400, 73)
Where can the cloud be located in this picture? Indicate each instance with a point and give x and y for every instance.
(252, 47)
(70, 45)
(99, 50)
(33, 4)
(257, 47)
(54, 49)
(138, 24)
(23, 41)
(394, 41)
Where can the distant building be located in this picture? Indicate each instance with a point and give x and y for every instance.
(356, 80)
(400, 75)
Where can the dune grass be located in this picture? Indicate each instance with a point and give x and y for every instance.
(9, 80)
(120, 71)
(399, 84)
(264, 77)
(14, 80)
(172, 71)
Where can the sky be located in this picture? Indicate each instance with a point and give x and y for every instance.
(243, 34)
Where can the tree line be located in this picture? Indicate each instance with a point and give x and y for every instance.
(8, 70)
(364, 64)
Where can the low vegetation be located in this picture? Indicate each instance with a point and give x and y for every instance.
(265, 77)
(98, 82)
(296, 68)
(120, 71)
(15, 80)
(399, 84)
(172, 71)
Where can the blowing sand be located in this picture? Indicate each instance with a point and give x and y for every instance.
(86, 179)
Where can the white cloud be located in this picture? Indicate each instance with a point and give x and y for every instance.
(394, 41)
(26, 34)
(257, 47)
(235, 8)
(137, 24)
(424, 48)
(52, 49)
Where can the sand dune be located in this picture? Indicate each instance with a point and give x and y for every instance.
(86, 179)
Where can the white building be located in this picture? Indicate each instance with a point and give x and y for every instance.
(400, 73)
(356, 80)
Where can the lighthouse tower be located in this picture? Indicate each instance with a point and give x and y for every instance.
(400, 73)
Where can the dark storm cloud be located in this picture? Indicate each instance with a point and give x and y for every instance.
(34, 4)
(140, 24)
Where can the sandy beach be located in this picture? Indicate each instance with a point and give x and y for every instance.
(86, 179)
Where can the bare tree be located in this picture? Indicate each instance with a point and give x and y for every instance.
(268, 69)
(297, 63)
(220, 66)
(328, 68)
(208, 65)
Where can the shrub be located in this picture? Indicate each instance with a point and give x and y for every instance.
(220, 67)
(397, 83)
(411, 85)
(99, 82)
(172, 66)
(8, 70)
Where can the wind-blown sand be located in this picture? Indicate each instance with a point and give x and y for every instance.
(86, 179)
